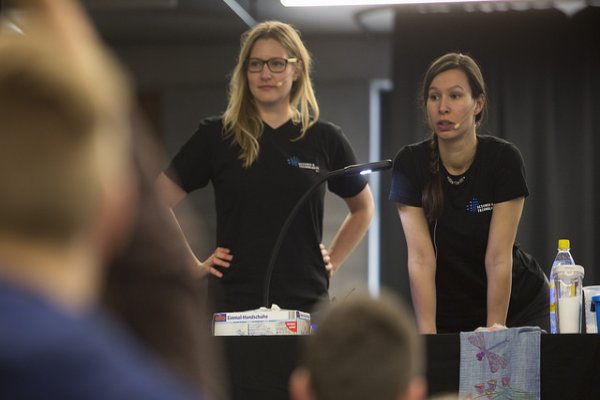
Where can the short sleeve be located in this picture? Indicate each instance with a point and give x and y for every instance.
(191, 168)
(342, 155)
(406, 186)
(510, 180)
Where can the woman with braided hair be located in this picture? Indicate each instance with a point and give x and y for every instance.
(460, 196)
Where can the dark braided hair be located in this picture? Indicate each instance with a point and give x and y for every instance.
(432, 197)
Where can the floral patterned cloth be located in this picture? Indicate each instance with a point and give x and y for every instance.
(502, 364)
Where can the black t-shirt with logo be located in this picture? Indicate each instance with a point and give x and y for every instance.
(253, 203)
(460, 235)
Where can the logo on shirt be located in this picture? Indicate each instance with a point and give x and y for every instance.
(294, 161)
(473, 206)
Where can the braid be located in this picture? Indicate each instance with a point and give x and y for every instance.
(433, 195)
(434, 162)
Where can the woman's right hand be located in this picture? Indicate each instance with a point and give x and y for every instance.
(221, 257)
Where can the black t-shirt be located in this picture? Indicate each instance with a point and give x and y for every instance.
(460, 235)
(253, 203)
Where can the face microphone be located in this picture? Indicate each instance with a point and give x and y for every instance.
(458, 124)
(279, 83)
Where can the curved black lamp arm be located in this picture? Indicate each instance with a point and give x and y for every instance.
(349, 170)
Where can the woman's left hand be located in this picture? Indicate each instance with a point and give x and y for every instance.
(327, 260)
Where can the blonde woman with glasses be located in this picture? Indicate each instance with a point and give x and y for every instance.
(261, 156)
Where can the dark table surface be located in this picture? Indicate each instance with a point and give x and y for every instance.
(259, 366)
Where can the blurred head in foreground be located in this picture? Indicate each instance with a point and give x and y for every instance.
(65, 168)
(363, 348)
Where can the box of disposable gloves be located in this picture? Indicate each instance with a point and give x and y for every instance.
(262, 322)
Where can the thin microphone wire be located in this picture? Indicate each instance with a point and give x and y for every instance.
(434, 243)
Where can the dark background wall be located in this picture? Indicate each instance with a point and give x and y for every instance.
(542, 69)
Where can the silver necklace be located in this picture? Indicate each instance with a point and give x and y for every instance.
(456, 182)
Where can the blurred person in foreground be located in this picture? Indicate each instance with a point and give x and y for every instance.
(65, 210)
(152, 289)
(363, 348)
(149, 287)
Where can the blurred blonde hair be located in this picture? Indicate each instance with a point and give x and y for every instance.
(63, 133)
(241, 119)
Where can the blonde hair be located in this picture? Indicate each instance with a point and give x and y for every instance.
(241, 119)
(61, 134)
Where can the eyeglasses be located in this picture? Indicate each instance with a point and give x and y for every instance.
(274, 64)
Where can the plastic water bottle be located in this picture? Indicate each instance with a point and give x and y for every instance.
(563, 257)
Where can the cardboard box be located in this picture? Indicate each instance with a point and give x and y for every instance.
(262, 322)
